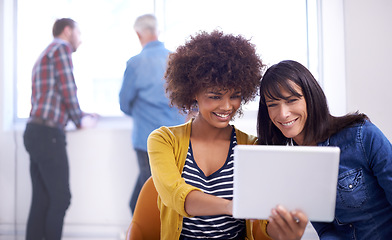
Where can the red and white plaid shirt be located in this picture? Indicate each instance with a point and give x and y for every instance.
(53, 86)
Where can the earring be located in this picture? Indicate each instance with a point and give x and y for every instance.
(195, 106)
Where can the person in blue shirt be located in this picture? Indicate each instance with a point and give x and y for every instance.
(142, 95)
(293, 110)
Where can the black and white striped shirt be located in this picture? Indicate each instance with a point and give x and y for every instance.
(220, 184)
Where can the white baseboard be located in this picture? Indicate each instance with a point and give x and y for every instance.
(96, 232)
(70, 232)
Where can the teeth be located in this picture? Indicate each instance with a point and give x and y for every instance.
(289, 123)
(222, 115)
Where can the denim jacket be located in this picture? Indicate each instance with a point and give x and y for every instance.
(364, 191)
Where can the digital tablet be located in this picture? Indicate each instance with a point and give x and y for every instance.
(297, 177)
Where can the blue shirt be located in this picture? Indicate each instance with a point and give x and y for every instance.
(142, 95)
(364, 192)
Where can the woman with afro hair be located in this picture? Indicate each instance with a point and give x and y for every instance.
(212, 74)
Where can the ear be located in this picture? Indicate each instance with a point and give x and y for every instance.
(139, 36)
(67, 31)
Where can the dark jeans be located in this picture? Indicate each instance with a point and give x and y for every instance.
(50, 181)
(144, 174)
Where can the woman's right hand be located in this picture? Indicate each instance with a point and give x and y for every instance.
(285, 225)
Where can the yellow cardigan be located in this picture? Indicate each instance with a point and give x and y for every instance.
(167, 150)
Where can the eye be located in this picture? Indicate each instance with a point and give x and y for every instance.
(215, 97)
(291, 100)
(271, 105)
(236, 96)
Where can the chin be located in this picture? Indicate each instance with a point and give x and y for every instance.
(290, 135)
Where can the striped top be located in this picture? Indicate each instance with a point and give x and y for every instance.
(220, 184)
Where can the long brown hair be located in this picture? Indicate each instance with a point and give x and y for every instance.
(320, 124)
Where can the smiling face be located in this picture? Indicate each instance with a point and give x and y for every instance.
(217, 107)
(289, 113)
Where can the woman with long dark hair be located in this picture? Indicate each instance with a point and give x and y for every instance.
(293, 110)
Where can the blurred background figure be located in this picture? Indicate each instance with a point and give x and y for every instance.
(54, 102)
(142, 95)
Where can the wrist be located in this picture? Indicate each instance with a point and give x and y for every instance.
(229, 207)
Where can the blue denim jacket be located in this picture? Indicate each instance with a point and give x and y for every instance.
(142, 95)
(364, 191)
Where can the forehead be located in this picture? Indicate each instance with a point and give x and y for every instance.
(282, 90)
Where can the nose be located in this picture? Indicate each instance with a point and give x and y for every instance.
(284, 111)
(227, 104)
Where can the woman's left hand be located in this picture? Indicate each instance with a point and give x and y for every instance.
(285, 225)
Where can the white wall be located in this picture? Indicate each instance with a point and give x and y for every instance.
(332, 59)
(102, 163)
(7, 145)
(356, 37)
(368, 41)
(102, 174)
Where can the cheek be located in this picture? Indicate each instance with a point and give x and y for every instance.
(204, 106)
(304, 112)
(237, 104)
(271, 114)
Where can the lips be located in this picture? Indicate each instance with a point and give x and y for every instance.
(223, 116)
(286, 124)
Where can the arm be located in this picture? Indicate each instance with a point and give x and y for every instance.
(326, 230)
(128, 90)
(166, 152)
(201, 204)
(378, 150)
(67, 86)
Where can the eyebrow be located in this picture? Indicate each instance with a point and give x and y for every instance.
(212, 92)
(284, 98)
(220, 93)
(271, 100)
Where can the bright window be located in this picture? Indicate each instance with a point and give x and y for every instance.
(278, 28)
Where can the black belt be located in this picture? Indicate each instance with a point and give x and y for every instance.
(45, 122)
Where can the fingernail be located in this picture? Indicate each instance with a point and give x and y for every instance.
(274, 212)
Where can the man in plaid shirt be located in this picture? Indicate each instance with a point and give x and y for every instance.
(54, 103)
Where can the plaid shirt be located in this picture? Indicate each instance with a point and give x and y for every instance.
(53, 87)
